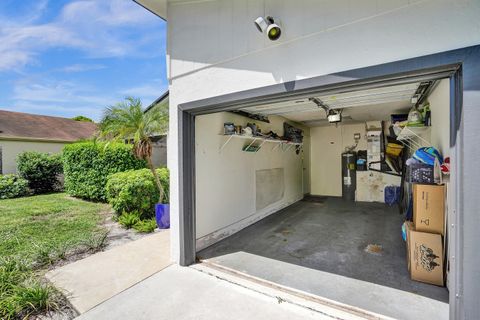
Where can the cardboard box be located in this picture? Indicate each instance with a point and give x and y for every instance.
(429, 208)
(408, 228)
(426, 257)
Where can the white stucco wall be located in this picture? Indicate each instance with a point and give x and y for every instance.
(213, 47)
(10, 150)
(226, 180)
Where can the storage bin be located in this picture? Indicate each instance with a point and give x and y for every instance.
(420, 173)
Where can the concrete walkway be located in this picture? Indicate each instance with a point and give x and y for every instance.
(95, 279)
(185, 293)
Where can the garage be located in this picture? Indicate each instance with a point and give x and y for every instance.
(208, 235)
(315, 191)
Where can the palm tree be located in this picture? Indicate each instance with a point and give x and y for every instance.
(127, 121)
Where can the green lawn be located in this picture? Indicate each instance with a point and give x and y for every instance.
(55, 222)
(34, 233)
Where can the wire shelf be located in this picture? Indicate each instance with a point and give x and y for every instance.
(413, 137)
(280, 143)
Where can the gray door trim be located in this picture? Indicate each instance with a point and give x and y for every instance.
(462, 66)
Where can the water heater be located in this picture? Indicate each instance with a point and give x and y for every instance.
(349, 175)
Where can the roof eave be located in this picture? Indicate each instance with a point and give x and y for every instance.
(30, 139)
(157, 101)
(157, 7)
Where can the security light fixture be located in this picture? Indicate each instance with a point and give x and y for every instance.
(267, 25)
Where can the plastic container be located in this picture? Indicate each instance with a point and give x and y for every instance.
(420, 173)
(394, 149)
(392, 195)
(162, 215)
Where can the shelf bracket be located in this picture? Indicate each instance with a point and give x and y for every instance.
(277, 146)
(225, 143)
(261, 144)
(251, 143)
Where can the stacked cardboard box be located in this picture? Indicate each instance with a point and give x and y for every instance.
(425, 252)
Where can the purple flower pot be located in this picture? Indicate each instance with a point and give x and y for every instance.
(162, 215)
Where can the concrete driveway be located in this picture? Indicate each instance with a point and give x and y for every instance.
(183, 293)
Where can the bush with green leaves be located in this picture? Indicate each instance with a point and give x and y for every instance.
(41, 170)
(12, 186)
(146, 226)
(82, 119)
(87, 166)
(136, 191)
(129, 220)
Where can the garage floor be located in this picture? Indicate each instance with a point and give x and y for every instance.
(331, 235)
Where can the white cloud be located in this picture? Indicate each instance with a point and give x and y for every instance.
(68, 98)
(98, 28)
(55, 109)
(59, 92)
(154, 89)
(79, 67)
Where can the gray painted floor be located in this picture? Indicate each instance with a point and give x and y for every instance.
(331, 235)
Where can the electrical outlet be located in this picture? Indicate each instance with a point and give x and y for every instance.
(356, 136)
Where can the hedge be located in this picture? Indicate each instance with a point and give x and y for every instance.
(136, 191)
(12, 186)
(41, 170)
(87, 166)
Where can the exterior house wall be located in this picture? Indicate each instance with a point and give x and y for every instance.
(11, 148)
(213, 47)
(227, 196)
(159, 152)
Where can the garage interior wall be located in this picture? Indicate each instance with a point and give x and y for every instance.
(439, 100)
(326, 147)
(227, 197)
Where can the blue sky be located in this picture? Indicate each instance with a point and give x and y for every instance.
(76, 57)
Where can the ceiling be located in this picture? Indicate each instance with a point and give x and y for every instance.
(357, 106)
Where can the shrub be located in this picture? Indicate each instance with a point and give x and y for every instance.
(41, 170)
(87, 166)
(136, 191)
(128, 220)
(82, 119)
(146, 226)
(21, 295)
(12, 186)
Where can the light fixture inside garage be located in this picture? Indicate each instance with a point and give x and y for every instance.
(267, 25)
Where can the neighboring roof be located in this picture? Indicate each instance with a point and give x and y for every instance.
(159, 100)
(25, 126)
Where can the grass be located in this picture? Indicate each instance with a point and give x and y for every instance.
(35, 232)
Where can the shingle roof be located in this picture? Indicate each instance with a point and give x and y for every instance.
(32, 126)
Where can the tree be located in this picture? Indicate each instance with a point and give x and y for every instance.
(82, 118)
(127, 121)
